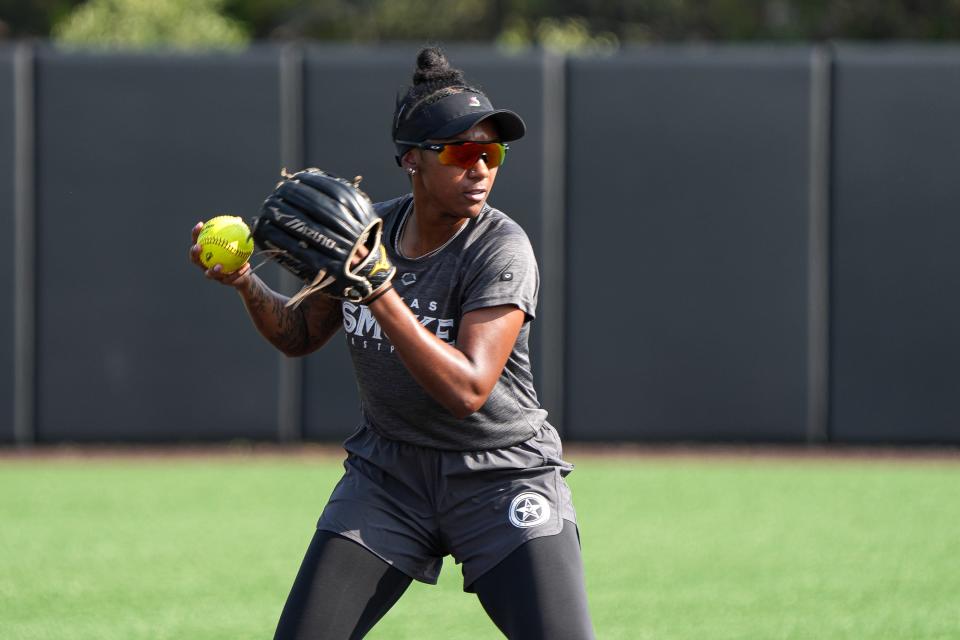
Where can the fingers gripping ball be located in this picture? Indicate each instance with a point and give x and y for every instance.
(225, 240)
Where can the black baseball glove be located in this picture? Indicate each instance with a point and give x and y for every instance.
(314, 224)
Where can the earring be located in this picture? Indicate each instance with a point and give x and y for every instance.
(412, 171)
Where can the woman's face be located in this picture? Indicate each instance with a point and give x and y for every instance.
(451, 190)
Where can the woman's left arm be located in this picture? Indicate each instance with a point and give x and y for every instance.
(459, 377)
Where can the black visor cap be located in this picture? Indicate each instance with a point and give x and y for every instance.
(453, 115)
(509, 125)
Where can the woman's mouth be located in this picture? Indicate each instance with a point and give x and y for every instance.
(476, 195)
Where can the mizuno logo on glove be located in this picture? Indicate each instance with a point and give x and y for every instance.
(299, 226)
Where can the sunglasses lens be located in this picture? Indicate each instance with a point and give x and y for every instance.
(466, 155)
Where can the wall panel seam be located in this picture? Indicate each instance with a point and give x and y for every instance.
(24, 250)
(818, 300)
(553, 233)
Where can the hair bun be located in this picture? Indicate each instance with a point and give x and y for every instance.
(433, 66)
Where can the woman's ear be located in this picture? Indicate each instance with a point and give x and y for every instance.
(410, 160)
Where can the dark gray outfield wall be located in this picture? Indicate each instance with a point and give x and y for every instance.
(896, 225)
(677, 200)
(133, 343)
(687, 264)
(7, 165)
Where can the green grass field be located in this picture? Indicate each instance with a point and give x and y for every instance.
(675, 548)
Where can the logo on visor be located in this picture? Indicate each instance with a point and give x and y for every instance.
(529, 510)
(474, 101)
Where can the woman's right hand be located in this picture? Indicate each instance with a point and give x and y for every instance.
(238, 279)
(296, 331)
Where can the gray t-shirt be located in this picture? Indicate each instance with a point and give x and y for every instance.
(488, 263)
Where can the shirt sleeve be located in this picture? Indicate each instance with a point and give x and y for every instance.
(503, 272)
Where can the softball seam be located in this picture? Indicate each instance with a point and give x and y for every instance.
(223, 244)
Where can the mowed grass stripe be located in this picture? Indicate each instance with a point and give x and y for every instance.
(674, 548)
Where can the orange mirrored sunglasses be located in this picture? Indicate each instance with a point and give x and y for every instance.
(465, 154)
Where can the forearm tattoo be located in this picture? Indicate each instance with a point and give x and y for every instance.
(285, 328)
(297, 330)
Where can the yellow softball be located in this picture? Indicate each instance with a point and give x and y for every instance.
(225, 240)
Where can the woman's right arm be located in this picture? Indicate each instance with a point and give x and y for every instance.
(296, 331)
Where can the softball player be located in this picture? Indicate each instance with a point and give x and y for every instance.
(453, 454)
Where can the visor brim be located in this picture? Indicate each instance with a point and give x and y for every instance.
(509, 125)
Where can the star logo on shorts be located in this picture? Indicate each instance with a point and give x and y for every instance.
(529, 510)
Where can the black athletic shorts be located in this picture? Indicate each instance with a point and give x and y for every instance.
(413, 505)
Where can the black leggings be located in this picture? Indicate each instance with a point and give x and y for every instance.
(342, 590)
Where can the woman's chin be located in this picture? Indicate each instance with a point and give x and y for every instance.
(473, 210)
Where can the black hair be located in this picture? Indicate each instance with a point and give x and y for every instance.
(433, 80)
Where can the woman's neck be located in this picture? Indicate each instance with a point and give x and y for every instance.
(427, 229)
